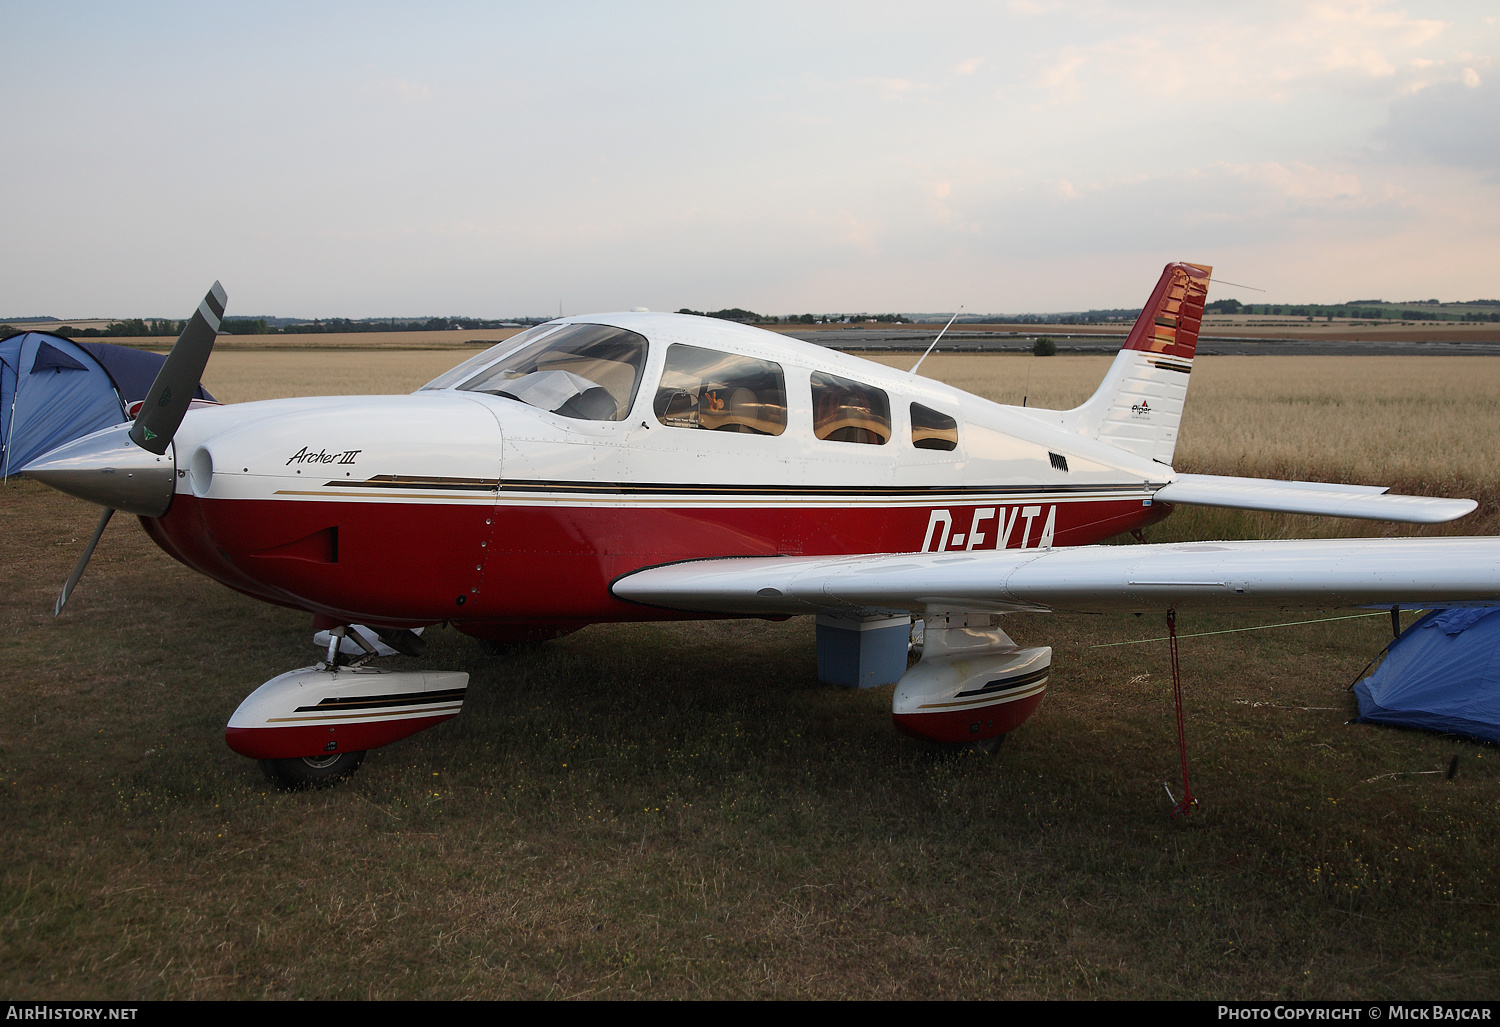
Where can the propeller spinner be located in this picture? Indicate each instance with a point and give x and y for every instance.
(131, 467)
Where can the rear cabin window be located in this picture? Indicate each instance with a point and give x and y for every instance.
(847, 411)
(703, 388)
(589, 372)
(932, 430)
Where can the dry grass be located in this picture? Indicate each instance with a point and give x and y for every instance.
(679, 811)
(240, 376)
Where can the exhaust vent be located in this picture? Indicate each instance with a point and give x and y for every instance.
(1059, 462)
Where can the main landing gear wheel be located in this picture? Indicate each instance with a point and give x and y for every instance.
(311, 771)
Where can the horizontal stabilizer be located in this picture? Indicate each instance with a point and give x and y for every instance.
(1369, 502)
(1411, 572)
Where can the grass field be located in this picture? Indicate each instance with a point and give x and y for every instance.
(682, 811)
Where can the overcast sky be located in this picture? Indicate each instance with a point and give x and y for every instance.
(493, 159)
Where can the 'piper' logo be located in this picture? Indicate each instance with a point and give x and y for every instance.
(306, 456)
(1141, 409)
(990, 527)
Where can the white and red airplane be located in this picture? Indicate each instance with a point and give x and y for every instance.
(642, 466)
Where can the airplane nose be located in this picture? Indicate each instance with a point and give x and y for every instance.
(109, 469)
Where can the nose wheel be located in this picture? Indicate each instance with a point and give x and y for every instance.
(311, 771)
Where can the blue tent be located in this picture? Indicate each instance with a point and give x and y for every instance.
(51, 391)
(1442, 674)
(133, 370)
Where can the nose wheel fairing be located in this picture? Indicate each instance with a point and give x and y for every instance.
(317, 713)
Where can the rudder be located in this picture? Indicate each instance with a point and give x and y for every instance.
(1138, 406)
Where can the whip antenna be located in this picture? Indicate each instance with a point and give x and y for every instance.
(935, 341)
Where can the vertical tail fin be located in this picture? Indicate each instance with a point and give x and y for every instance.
(1139, 404)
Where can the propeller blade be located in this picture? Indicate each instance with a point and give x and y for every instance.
(83, 561)
(172, 391)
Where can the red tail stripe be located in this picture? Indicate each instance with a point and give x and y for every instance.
(1169, 322)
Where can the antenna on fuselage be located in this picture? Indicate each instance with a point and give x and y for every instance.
(935, 341)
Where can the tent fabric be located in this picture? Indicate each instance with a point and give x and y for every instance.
(132, 369)
(50, 358)
(51, 392)
(1442, 674)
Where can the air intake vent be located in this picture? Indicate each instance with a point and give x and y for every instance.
(1059, 461)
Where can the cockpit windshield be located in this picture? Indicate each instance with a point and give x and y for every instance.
(466, 370)
(587, 371)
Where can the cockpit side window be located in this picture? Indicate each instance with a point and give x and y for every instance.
(847, 411)
(703, 388)
(591, 372)
(931, 429)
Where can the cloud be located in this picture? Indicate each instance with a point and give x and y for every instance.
(403, 91)
(412, 92)
(1456, 124)
(1247, 54)
(968, 67)
(1299, 181)
(1193, 211)
(1059, 76)
(888, 88)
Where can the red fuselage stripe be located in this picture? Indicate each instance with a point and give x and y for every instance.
(402, 563)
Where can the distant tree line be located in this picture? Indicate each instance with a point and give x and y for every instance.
(135, 328)
(751, 317)
(332, 325)
(1087, 317)
(1365, 310)
(142, 328)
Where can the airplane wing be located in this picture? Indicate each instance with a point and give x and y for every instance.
(1369, 502)
(1410, 572)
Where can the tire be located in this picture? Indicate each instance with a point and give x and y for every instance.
(311, 771)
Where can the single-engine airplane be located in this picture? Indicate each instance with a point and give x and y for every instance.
(642, 466)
